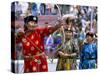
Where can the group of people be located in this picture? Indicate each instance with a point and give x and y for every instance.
(73, 49)
(77, 40)
(35, 60)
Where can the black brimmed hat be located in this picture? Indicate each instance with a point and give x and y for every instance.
(30, 18)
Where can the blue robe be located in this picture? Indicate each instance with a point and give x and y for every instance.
(88, 56)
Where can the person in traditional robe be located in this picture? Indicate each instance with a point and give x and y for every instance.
(33, 44)
(88, 54)
(68, 53)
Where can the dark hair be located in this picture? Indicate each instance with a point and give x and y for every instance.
(90, 34)
(68, 20)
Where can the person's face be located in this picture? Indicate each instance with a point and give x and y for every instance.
(69, 23)
(31, 25)
(68, 34)
(89, 39)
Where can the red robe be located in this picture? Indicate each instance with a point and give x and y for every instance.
(30, 44)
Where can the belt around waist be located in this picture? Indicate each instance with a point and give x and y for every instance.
(33, 56)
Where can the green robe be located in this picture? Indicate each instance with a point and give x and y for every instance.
(68, 63)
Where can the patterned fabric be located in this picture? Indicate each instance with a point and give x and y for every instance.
(88, 56)
(33, 45)
(68, 63)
